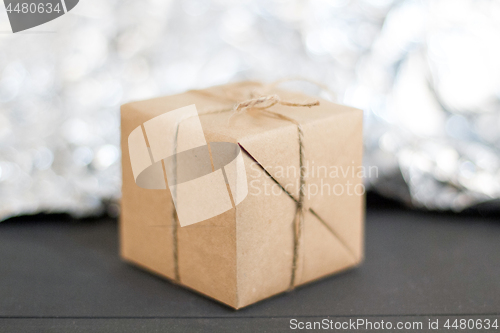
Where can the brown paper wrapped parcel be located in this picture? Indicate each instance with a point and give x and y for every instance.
(271, 238)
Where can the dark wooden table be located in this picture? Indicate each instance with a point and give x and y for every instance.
(63, 275)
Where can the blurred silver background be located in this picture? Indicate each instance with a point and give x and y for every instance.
(427, 74)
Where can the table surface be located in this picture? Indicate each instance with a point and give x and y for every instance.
(59, 274)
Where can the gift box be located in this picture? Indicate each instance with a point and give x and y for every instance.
(278, 204)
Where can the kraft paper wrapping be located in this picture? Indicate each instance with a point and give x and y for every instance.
(246, 253)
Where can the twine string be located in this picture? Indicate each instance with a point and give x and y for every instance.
(263, 102)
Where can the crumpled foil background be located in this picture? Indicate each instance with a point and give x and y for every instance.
(427, 74)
